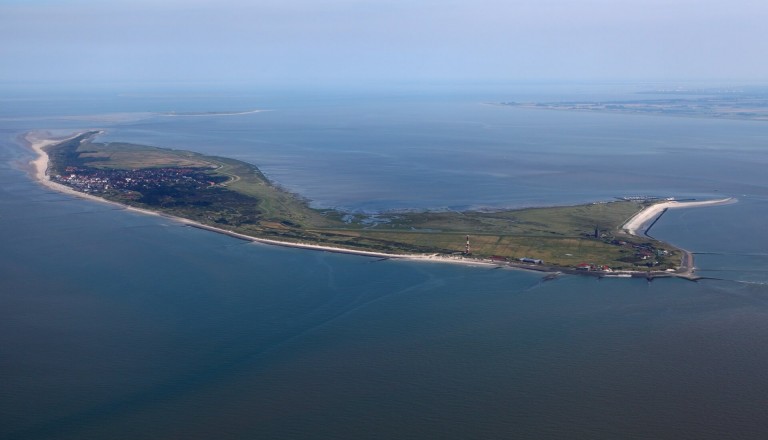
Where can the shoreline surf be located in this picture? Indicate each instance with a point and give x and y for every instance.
(37, 141)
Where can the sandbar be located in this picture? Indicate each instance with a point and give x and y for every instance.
(646, 216)
(641, 221)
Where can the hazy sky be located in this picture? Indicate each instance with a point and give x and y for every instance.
(351, 40)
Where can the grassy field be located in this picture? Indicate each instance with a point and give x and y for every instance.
(246, 201)
(118, 155)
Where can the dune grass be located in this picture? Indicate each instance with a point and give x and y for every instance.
(562, 236)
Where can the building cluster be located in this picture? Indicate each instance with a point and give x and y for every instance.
(643, 251)
(95, 180)
(589, 267)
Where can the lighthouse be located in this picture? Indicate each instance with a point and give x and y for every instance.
(467, 250)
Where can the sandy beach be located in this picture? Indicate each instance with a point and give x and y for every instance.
(38, 140)
(644, 217)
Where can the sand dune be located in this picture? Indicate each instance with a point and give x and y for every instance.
(642, 218)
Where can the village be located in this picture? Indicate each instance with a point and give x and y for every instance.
(136, 183)
(96, 180)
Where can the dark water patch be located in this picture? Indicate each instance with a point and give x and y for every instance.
(120, 325)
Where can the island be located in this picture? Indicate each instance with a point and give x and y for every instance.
(223, 195)
(747, 104)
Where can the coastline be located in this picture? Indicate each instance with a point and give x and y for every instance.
(40, 164)
(37, 141)
(636, 224)
(643, 220)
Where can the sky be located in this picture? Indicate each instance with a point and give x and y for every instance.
(338, 41)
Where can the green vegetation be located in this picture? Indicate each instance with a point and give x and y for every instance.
(236, 196)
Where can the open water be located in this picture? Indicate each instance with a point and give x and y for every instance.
(119, 325)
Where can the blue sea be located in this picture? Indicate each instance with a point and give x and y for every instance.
(118, 325)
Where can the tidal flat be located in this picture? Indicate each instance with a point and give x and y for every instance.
(235, 197)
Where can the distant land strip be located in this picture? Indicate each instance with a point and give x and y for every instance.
(755, 109)
(219, 113)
